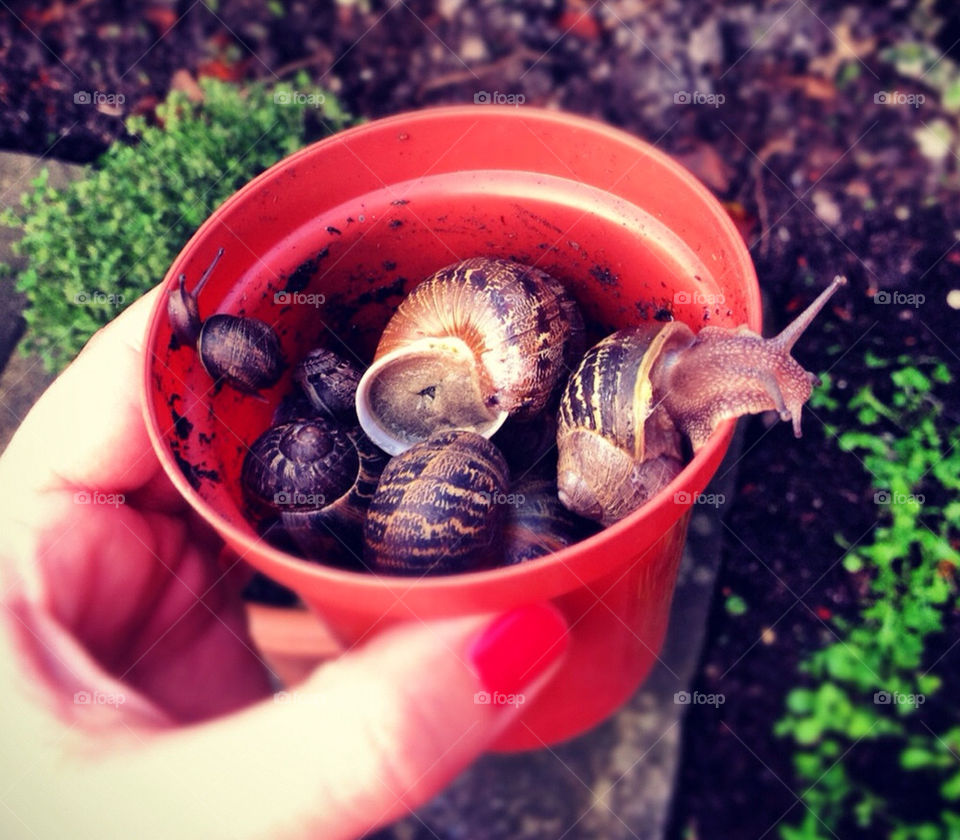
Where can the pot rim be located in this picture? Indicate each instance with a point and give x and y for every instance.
(657, 508)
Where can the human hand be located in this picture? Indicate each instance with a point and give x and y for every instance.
(134, 700)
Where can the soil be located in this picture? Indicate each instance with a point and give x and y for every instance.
(820, 177)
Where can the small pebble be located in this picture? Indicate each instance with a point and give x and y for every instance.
(473, 48)
(826, 208)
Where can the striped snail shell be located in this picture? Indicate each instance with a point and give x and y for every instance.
(537, 523)
(329, 382)
(438, 508)
(317, 477)
(472, 344)
(243, 352)
(638, 394)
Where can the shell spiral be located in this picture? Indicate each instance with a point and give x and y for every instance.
(438, 507)
(303, 465)
(473, 343)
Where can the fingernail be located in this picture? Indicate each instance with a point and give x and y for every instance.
(518, 646)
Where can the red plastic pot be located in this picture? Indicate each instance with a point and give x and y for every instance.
(358, 219)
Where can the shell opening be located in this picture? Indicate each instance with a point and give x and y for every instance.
(430, 385)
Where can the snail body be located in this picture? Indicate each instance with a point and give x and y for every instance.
(472, 344)
(183, 310)
(317, 477)
(438, 507)
(641, 393)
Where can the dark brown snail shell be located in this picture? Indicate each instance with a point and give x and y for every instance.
(329, 382)
(243, 352)
(317, 477)
(529, 445)
(640, 394)
(474, 343)
(438, 507)
(537, 523)
(294, 406)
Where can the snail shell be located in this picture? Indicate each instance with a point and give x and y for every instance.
(329, 381)
(294, 406)
(616, 447)
(641, 393)
(244, 352)
(472, 344)
(318, 477)
(437, 508)
(529, 444)
(537, 523)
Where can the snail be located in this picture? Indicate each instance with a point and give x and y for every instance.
(474, 343)
(638, 393)
(317, 477)
(182, 309)
(438, 507)
(243, 352)
(329, 381)
(537, 524)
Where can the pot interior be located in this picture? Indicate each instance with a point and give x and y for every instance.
(335, 279)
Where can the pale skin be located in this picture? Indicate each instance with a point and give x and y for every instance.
(105, 598)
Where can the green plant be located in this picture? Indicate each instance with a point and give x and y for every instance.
(878, 682)
(95, 246)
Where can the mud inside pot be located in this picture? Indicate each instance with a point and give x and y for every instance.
(336, 280)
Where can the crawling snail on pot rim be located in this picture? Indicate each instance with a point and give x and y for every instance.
(241, 352)
(639, 393)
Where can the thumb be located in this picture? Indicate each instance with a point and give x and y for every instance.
(364, 740)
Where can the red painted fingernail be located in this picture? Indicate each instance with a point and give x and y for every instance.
(518, 647)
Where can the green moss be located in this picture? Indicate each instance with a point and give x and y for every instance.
(97, 245)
